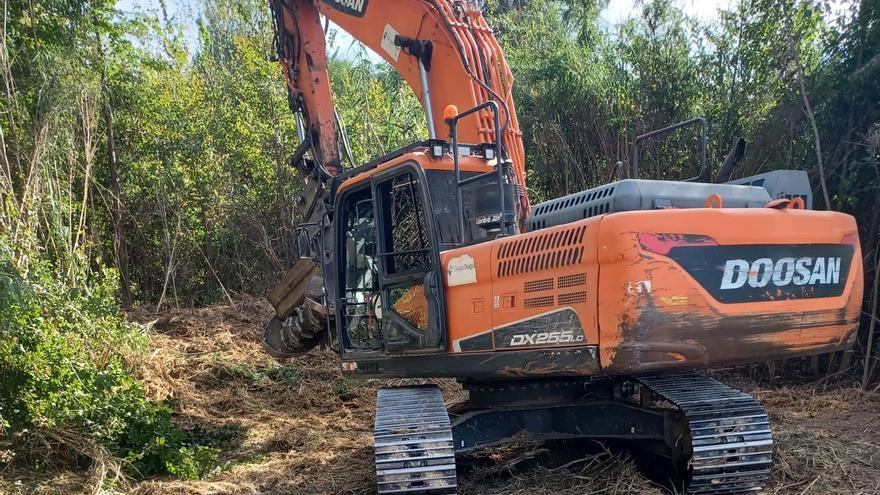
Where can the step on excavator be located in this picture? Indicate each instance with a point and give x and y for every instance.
(592, 315)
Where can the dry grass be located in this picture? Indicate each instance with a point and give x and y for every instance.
(54, 450)
(299, 427)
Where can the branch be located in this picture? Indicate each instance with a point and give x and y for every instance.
(809, 111)
(866, 373)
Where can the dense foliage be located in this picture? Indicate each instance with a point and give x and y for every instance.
(67, 360)
(585, 92)
(124, 143)
(202, 132)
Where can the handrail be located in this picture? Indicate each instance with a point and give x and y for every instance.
(500, 163)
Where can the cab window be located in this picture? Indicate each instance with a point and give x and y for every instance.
(361, 291)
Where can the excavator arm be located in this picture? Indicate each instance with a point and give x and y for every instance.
(302, 54)
(447, 54)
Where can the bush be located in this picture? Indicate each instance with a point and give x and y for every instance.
(67, 358)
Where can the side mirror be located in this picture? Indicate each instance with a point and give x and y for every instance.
(618, 171)
(303, 247)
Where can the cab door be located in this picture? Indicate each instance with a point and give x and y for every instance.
(409, 281)
(390, 295)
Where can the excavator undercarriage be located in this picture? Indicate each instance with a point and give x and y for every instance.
(715, 439)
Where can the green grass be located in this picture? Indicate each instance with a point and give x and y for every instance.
(345, 387)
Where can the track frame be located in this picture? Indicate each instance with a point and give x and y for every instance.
(717, 439)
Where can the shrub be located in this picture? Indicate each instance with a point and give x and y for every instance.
(67, 358)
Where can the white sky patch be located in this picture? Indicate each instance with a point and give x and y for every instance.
(182, 12)
(616, 12)
(621, 10)
(186, 13)
(346, 47)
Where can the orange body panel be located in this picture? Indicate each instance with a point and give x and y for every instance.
(522, 277)
(643, 309)
(672, 321)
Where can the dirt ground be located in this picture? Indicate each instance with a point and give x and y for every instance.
(298, 427)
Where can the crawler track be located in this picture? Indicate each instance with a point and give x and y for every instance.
(414, 450)
(730, 432)
(730, 444)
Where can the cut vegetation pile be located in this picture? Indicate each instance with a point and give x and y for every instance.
(298, 427)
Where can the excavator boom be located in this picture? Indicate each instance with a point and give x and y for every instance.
(443, 49)
(448, 56)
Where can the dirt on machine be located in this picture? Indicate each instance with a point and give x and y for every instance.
(587, 316)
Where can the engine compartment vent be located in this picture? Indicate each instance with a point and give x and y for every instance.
(536, 252)
(572, 280)
(538, 302)
(572, 298)
(538, 285)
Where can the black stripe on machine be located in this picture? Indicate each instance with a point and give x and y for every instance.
(750, 273)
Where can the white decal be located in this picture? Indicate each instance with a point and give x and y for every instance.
(387, 43)
(818, 275)
(461, 271)
(638, 287)
(351, 7)
(355, 5)
(541, 338)
(735, 274)
(802, 267)
(760, 272)
(833, 271)
(784, 271)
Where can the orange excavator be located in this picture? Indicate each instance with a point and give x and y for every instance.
(587, 316)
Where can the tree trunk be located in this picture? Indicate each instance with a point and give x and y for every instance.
(120, 248)
(851, 114)
(866, 373)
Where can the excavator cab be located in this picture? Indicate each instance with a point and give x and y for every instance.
(389, 236)
(388, 294)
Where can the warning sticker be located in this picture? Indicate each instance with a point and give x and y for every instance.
(388, 44)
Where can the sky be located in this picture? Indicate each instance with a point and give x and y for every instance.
(706, 10)
(186, 11)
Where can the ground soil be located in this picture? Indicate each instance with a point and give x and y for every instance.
(298, 427)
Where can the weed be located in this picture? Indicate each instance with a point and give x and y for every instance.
(345, 388)
(285, 374)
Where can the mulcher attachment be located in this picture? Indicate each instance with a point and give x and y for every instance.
(414, 449)
(730, 432)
